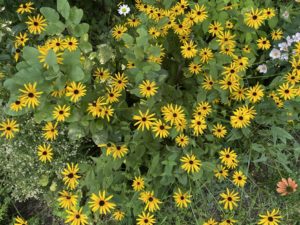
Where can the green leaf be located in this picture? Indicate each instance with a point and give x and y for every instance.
(75, 15)
(279, 133)
(51, 59)
(63, 7)
(50, 14)
(76, 73)
(31, 55)
(105, 53)
(80, 29)
(273, 22)
(55, 28)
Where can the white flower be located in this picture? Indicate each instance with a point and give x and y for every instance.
(296, 37)
(275, 53)
(284, 56)
(123, 10)
(289, 40)
(286, 14)
(283, 46)
(262, 68)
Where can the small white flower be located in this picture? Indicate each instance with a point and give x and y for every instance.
(262, 68)
(123, 67)
(289, 40)
(275, 53)
(123, 10)
(284, 56)
(286, 14)
(283, 46)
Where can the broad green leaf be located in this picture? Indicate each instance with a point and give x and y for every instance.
(50, 14)
(76, 73)
(63, 7)
(75, 15)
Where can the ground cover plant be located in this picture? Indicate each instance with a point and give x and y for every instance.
(151, 112)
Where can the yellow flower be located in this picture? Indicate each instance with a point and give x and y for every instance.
(255, 18)
(45, 51)
(198, 125)
(160, 129)
(21, 40)
(120, 81)
(263, 43)
(118, 31)
(269, 13)
(277, 34)
(203, 109)
(138, 183)
(145, 219)
(270, 218)
(228, 221)
(182, 140)
(199, 12)
(144, 120)
(190, 163)
(118, 151)
(76, 217)
(228, 157)
(229, 199)
(45, 153)
(101, 202)
(188, 50)
(101, 74)
(211, 221)
(152, 203)
(50, 131)
(17, 105)
(67, 200)
(71, 43)
(195, 68)
(60, 113)
(215, 28)
(25, 8)
(239, 179)
(182, 199)
(221, 172)
(286, 91)
(148, 88)
(36, 24)
(113, 95)
(118, 215)
(206, 54)
(70, 175)
(255, 93)
(75, 91)
(174, 115)
(30, 95)
(219, 130)
(20, 221)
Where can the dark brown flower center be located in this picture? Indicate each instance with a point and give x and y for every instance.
(102, 203)
(30, 95)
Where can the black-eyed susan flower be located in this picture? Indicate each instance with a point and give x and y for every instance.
(50, 131)
(182, 140)
(70, 175)
(292, 78)
(173, 114)
(138, 183)
(75, 91)
(101, 74)
(67, 200)
(206, 54)
(211, 221)
(17, 105)
(60, 113)
(228, 221)
(195, 68)
(118, 215)
(119, 81)
(190, 163)
(9, 128)
(226, 39)
(101, 202)
(45, 153)
(208, 83)
(148, 88)
(254, 18)
(199, 12)
(277, 34)
(20, 221)
(255, 93)
(108, 112)
(17, 54)
(230, 199)
(269, 13)
(71, 43)
(221, 172)
(182, 199)
(154, 32)
(242, 116)
(30, 95)
(230, 83)
(133, 22)
(188, 50)
(263, 43)
(57, 44)
(119, 151)
(152, 203)
(270, 218)
(228, 157)
(76, 217)
(202, 109)
(36, 24)
(219, 130)
(21, 40)
(198, 124)
(144, 120)
(239, 179)
(25, 8)
(160, 129)
(145, 219)
(113, 95)
(239, 94)
(215, 28)
(118, 31)
(287, 91)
